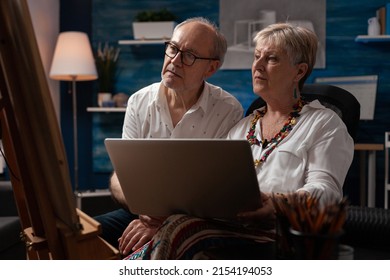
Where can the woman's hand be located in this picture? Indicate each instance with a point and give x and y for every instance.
(138, 233)
(264, 215)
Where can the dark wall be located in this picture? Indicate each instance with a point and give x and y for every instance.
(76, 15)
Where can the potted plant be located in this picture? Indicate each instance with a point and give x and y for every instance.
(106, 64)
(154, 25)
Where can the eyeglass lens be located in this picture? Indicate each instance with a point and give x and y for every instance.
(187, 58)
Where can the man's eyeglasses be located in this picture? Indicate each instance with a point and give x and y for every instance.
(187, 58)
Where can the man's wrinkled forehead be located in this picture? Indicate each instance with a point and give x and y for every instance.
(193, 36)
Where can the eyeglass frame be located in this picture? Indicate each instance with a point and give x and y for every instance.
(168, 43)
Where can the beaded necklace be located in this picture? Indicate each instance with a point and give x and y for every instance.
(274, 142)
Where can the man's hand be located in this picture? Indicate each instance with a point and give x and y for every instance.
(138, 233)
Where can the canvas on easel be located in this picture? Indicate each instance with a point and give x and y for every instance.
(53, 227)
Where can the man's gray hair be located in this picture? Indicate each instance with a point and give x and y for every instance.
(220, 44)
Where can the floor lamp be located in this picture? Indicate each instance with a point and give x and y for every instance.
(73, 61)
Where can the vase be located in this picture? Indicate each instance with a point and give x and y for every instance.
(153, 30)
(104, 98)
(309, 246)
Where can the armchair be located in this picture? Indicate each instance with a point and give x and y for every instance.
(11, 246)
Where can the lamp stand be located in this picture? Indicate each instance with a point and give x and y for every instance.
(75, 143)
(73, 61)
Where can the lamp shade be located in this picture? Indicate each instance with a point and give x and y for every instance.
(73, 58)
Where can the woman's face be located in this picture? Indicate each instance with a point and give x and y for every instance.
(273, 74)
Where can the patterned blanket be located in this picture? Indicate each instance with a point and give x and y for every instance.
(185, 237)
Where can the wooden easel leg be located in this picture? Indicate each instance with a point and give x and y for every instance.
(37, 248)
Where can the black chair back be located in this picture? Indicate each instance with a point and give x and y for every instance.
(339, 100)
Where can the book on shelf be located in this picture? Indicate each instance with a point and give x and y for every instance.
(383, 15)
(387, 19)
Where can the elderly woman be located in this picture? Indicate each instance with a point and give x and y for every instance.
(297, 146)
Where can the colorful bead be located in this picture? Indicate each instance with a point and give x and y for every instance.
(274, 142)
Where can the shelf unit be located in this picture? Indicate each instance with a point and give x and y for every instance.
(106, 109)
(372, 39)
(141, 42)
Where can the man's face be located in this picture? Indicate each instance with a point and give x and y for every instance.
(196, 39)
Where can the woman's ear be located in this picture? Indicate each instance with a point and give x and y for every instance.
(302, 70)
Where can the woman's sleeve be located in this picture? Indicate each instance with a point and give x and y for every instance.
(329, 159)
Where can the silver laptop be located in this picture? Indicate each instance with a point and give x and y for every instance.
(209, 178)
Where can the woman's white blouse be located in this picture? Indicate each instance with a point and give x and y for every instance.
(316, 155)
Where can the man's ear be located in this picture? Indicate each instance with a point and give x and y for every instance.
(213, 67)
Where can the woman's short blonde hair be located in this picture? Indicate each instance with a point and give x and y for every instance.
(300, 44)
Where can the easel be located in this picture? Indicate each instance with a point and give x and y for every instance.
(52, 226)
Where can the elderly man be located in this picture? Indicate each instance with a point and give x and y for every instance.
(182, 105)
